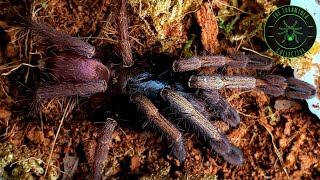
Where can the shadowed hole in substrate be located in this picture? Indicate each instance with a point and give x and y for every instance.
(9, 168)
(125, 170)
(4, 41)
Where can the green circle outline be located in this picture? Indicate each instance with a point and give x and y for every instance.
(315, 26)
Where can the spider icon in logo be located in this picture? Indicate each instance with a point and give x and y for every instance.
(290, 32)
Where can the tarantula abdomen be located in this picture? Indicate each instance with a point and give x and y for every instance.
(71, 67)
(74, 75)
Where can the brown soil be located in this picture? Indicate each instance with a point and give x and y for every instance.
(278, 143)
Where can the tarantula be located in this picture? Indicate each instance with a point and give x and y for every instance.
(82, 69)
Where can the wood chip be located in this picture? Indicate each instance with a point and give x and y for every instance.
(283, 104)
(209, 27)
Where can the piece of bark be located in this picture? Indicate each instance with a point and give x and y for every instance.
(209, 29)
(283, 104)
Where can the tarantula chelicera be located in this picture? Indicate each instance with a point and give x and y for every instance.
(82, 69)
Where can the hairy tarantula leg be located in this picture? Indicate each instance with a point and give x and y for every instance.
(219, 142)
(171, 133)
(235, 156)
(63, 41)
(69, 89)
(198, 104)
(216, 101)
(299, 89)
(197, 120)
(218, 82)
(97, 151)
(291, 87)
(124, 46)
(251, 61)
(271, 84)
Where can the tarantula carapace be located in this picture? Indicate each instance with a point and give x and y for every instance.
(82, 69)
